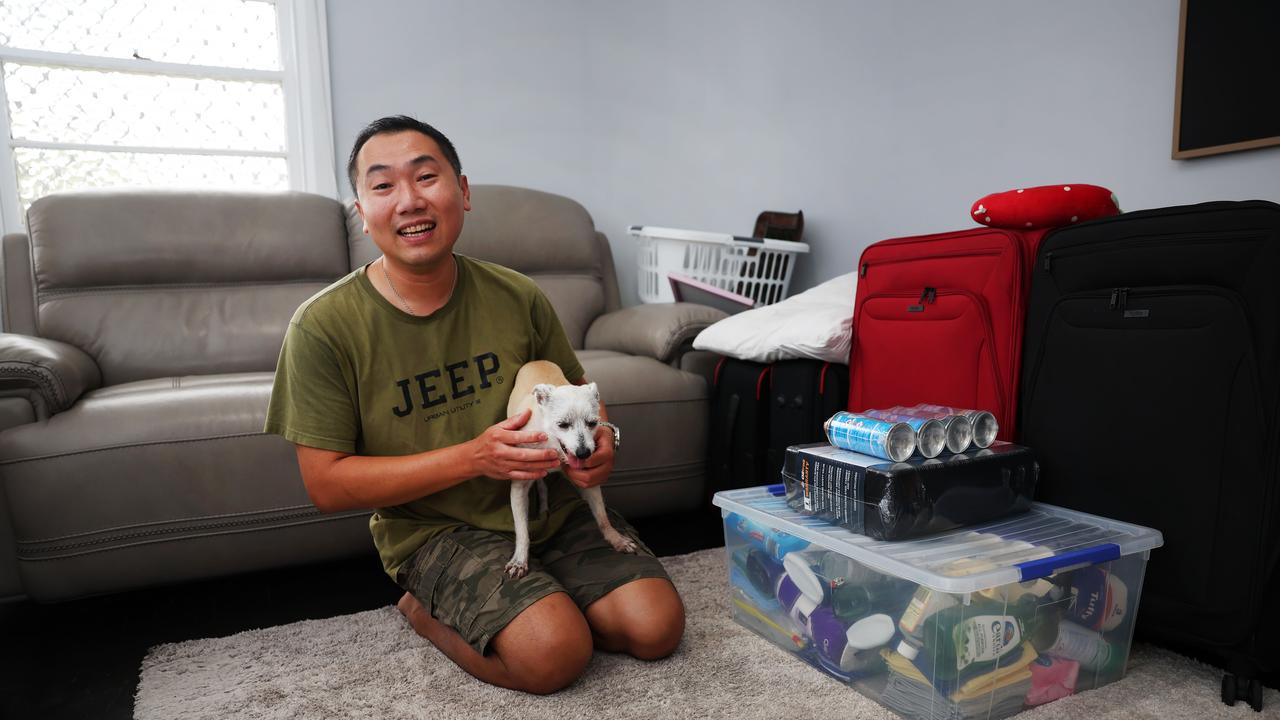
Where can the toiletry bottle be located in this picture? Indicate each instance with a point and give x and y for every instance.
(923, 604)
(961, 642)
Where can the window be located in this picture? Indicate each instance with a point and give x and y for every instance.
(180, 93)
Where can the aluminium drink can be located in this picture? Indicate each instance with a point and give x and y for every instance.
(985, 426)
(894, 441)
(931, 434)
(958, 428)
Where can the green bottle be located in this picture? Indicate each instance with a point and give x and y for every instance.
(924, 603)
(962, 642)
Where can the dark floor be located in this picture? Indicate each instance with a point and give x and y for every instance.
(80, 659)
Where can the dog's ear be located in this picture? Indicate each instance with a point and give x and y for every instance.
(542, 392)
(595, 392)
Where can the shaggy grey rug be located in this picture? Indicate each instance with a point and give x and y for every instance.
(372, 665)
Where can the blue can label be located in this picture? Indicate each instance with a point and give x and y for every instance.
(865, 435)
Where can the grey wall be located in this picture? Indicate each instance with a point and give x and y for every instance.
(878, 119)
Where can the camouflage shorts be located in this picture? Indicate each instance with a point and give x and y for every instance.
(459, 576)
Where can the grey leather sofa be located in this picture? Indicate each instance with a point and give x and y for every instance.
(141, 333)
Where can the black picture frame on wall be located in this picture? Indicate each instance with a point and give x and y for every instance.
(1228, 72)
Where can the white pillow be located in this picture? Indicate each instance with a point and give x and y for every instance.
(817, 323)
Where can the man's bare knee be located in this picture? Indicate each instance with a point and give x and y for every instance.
(656, 642)
(546, 647)
(659, 632)
(551, 667)
(644, 618)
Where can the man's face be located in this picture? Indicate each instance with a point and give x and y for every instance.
(410, 199)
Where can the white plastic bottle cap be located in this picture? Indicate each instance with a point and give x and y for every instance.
(802, 574)
(871, 631)
(907, 650)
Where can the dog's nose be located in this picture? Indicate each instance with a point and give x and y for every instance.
(582, 453)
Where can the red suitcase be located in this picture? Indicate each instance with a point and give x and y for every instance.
(938, 319)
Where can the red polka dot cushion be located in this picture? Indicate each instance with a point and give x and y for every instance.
(1045, 206)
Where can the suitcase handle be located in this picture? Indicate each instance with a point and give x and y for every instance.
(726, 435)
(1044, 567)
(723, 463)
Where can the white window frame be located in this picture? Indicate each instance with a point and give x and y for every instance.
(304, 54)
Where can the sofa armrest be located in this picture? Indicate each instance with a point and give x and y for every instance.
(50, 374)
(660, 330)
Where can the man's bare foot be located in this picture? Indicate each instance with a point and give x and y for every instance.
(413, 611)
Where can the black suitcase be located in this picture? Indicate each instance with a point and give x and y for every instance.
(738, 436)
(802, 395)
(1150, 394)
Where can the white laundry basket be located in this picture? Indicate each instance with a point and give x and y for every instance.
(759, 268)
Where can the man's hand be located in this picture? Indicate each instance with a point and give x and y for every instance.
(595, 469)
(495, 455)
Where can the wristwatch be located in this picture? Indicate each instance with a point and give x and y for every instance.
(617, 434)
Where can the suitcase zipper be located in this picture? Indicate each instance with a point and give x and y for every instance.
(866, 264)
(1197, 209)
(1119, 298)
(1206, 208)
(930, 295)
(991, 343)
(1261, 578)
(1020, 276)
(947, 236)
(1051, 256)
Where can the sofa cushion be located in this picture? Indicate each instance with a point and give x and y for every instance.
(530, 231)
(155, 284)
(548, 237)
(578, 301)
(101, 239)
(173, 478)
(138, 333)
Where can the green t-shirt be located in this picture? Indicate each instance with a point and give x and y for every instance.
(358, 375)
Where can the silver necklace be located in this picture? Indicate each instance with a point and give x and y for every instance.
(407, 307)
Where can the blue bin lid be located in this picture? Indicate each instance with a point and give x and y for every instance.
(1044, 540)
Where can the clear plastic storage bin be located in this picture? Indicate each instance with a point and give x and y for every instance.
(759, 268)
(980, 622)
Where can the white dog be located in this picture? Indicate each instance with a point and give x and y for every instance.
(568, 414)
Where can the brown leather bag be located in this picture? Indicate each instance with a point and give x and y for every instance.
(779, 225)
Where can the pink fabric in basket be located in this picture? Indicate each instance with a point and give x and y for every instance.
(1052, 678)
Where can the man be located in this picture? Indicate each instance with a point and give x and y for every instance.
(393, 385)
